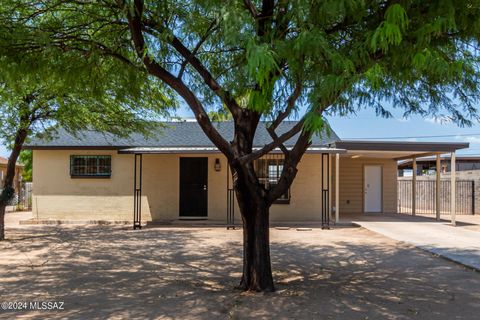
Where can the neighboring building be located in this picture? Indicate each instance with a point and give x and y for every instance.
(467, 173)
(428, 165)
(18, 173)
(92, 176)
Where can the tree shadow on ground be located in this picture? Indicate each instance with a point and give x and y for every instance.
(190, 273)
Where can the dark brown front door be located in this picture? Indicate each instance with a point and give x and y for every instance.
(194, 187)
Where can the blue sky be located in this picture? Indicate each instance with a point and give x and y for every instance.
(366, 125)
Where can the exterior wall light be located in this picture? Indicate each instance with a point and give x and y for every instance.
(217, 165)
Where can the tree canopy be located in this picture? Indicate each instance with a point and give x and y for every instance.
(270, 60)
(26, 160)
(41, 91)
(75, 94)
(420, 55)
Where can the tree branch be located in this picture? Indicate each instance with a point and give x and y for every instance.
(99, 46)
(274, 136)
(292, 99)
(274, 144)
(197, 47)
(251, 8)
(265, 17)
(135, 25)
(290, 166)
(284, 114)
(207, 77)
(209, 80)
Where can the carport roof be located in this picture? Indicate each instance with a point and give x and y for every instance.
(399, 146)
(397, 150)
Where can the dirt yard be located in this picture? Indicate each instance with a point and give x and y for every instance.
(190, 273)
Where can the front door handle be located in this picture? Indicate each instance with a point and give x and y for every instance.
(205, 187)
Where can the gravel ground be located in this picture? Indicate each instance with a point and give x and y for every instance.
(190, 273)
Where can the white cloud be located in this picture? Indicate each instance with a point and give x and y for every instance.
(471, 139)
(439, 120)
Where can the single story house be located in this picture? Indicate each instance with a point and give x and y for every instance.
(177, 173)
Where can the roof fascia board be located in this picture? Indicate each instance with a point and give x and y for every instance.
(188, 150)
(28, 147)
(416, 155)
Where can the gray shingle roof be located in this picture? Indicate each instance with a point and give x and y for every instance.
(174, 134)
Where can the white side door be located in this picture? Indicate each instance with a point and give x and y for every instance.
(372, 189)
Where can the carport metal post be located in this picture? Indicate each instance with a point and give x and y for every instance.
(337, 188)
(137, 192)
(414, 185)
(453, 188)
(330, 186)
(437, 187)
(325, 191)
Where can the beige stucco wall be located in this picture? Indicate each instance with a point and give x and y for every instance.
(58, 196)
(351, 183)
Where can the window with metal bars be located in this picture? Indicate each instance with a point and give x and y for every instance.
(269, 170)
(90, 166)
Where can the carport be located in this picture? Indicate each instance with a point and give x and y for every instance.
(401, 151)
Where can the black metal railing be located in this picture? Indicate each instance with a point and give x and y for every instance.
(325, 191)
(230, 201)
(137, 192)
(230, 209)
(425, 201)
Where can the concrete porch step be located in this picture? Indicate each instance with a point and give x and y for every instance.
(58, 222)
(189, 222)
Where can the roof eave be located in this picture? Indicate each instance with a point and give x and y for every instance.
(30, 147)
(400, 146)
(204, 150)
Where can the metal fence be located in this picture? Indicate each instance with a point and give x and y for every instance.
(24, 197)
(425, 202)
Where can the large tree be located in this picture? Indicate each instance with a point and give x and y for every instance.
(271, 60)
(38, 95)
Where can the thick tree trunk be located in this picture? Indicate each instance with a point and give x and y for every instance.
(2, 222)
(257, 271)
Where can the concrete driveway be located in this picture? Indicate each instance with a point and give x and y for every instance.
(460, 244)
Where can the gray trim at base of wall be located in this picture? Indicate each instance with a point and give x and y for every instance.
(58, 222)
